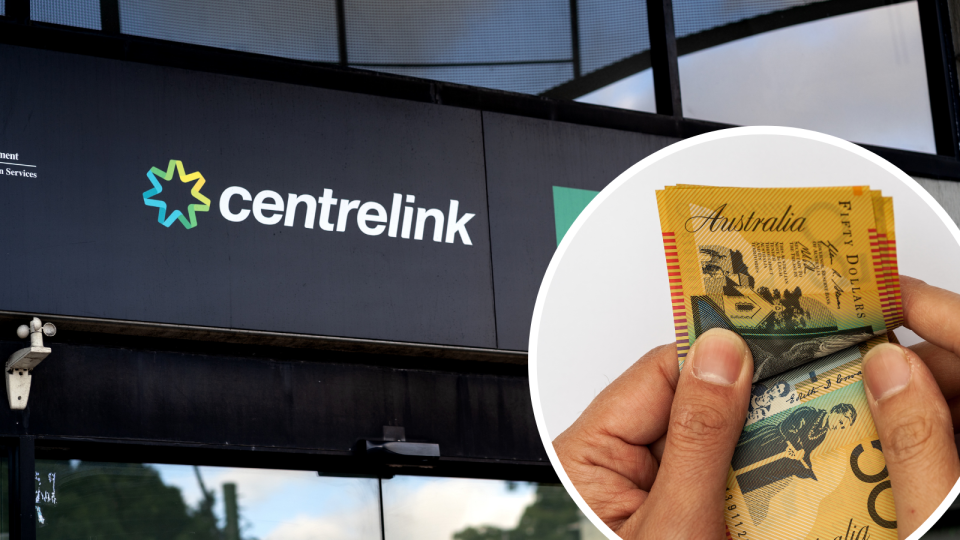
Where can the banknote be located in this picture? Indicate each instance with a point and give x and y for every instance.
(809, 278)
(811, 465)
(798, 272)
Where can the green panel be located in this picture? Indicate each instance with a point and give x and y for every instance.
(567, 205)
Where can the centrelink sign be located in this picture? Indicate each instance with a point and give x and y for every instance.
(222, 202)
(270, 208)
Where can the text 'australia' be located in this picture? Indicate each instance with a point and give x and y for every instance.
(718, 222)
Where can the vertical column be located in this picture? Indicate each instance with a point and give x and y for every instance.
(342, 32)
(575, 38)
(663, 57)
(383, 527)
(110, 16)
(23, 522)
(941, 75)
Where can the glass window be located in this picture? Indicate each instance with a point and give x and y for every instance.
(614, 52)
(4, 499)
(81, 13)
(465, 509)
(859, 76)
(119, 501)
(503, 44)
(634, 92)
(303, 30)
(80, 500)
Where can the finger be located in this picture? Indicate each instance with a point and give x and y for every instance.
(705, 423)
(915, 430)
(943, 364)
(608, 440)
(931, 313)
(636, 405)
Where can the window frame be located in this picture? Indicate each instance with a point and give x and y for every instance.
(16, 28)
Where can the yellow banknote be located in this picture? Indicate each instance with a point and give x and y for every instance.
(798, 272)
(809, 278)
(811, 467)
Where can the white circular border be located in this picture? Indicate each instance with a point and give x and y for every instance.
(629, 174)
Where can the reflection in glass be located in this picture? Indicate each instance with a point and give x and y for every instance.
(859, 76)
(107, 501)
(79, 500)
(466, 509)
(634, 92)
(4, 500)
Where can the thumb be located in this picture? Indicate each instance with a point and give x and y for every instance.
(709, 409)
(915, 430)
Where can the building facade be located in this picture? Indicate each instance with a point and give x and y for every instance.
(292, 250)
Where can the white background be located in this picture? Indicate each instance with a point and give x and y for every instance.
(604, 301)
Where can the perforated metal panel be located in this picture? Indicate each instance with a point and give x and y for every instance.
(694, 16)
(611, 30)
(80, 13)
(302, 30)
(515, 45)
(523, 46)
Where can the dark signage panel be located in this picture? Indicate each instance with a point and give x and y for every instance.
(531, 165)
(144, 193)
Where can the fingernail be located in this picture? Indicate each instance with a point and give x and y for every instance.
(718, 357)
(886, 370)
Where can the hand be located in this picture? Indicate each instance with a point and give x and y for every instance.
(650, 455)
(913, 417)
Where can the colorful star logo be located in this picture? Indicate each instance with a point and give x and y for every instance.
(192, 209)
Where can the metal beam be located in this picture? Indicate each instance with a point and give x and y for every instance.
(110, 16)
(575, 38)
(941, 75)
(342, 32)
(635, 63)
(663, 57)
(262, 67)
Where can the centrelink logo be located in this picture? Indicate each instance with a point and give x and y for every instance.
(270, 208)
(196, 177)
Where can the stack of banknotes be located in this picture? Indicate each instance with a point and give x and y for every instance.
(808, 277)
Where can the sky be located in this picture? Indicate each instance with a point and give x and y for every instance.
(858, 76)
(300, 505)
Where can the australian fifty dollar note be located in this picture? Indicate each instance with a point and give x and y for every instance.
(798, 272)
(808, 277)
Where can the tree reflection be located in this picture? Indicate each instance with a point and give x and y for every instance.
(552, 516)
(118, 502)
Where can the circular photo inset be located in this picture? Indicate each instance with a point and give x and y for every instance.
(718, 349)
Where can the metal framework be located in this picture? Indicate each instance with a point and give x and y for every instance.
(16, 28)
(555, 104)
